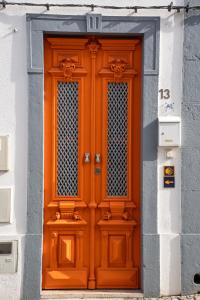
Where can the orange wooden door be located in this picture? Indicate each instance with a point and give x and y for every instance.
(92, 163)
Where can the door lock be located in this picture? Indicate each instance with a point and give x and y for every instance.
(87, 157)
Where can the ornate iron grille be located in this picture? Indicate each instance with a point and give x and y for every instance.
(117, 139)
(67, 139)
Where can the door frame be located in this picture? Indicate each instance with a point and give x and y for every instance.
(149, 29)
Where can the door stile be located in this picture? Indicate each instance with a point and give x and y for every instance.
(93, 48)
(130, 83)
(81, 141)
(104, 136)
(54, 133)
(47, 153)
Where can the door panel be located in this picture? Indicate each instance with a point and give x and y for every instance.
(92, 163)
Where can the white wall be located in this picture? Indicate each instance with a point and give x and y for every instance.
(169, 200)
(14, 116)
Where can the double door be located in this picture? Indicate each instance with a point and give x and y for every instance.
(92, 163)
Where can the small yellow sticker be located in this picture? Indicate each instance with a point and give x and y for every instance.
(169, 171)
(169, 182)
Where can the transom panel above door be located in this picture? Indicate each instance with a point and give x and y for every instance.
(92, 163)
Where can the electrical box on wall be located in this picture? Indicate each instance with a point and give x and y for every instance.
(8, 256)
(169, 131)
(5, 205)
(4, 159)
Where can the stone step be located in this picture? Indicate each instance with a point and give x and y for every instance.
(108, 295)
(91, 295)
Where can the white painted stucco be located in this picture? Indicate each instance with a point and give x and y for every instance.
(169, 200)
(14, 121)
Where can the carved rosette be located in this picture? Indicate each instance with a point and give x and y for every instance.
(118, 67)
(68, 66)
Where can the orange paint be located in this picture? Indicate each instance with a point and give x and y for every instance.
(91, 239)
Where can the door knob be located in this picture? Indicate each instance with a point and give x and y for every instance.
(87, 157)
(98, 158)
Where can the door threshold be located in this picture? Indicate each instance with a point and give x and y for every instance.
(91, 294)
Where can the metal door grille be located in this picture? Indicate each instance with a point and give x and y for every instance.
(67, 139)
(117, 139)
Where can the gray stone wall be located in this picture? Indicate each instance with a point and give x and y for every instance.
(190, 241)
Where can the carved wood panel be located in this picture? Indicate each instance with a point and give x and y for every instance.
(117, 251)
(66, 252)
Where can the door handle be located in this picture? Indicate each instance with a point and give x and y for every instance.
(87, 157)
(97, 158)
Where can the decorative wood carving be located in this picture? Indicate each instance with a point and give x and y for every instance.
(107, 215)
(76, 215)
(68, 66)
(118, 67)
(93, 46)
(67, 211)
(117, 211)
(57, 215)
(125, 215)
